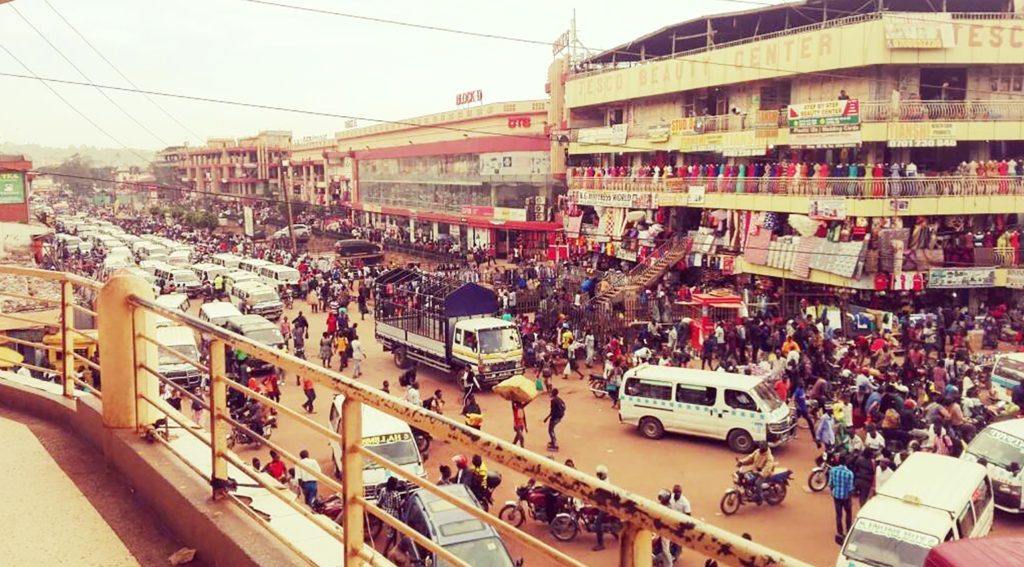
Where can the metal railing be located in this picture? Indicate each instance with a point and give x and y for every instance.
(942, 110)
(852, 187)
(132, 400)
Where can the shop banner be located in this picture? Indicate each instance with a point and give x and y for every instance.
(701, 143)
(952, 278)
(673, 199)
(683, 126)
(12, 188)
(921, 134)
(1015, 278)
(507, 213)
(594, 135)
(743, 143)
(827, 208)
(919, 30)
(478, 211)
(618, 134)
(573, 226)
(825, 124)
(620, 199)
(515, 163)
(658, 133)
(695, 196)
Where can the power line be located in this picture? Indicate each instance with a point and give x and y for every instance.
(118, 71)
(86, 77)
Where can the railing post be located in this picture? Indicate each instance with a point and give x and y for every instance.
(218, 409)
(67, 323)
(352, 479)
(635, 547)
(122, 353)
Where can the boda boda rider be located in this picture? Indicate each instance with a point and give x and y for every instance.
(757, 466)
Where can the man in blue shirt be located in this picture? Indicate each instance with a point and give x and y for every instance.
(841, 480)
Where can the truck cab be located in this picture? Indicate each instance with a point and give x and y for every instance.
(491, 347)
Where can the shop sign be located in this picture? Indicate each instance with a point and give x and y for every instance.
(519, 122)
(477, 211)
(673, 199)
(594, 135)
(1015, 278)
(514, 163)
(952, 278)
(683, 126)
(626, 254)
(469, 97)
(658, 133)
(12, 188)
(899, 205)
(701, 143)
(919, 31)
(618, 134)
(560, 43)
(506, 213)
(371, 207)
(921, 134)
(825, 124)
(827, 209)
(695, 195)
(620, 199)
(743, 143)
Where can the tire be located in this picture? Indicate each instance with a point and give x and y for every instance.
(564, 527)
(598, 391)
(651, 428)
(512, 514)
(817, 480)
(775, 493)
(730, 503)
(401, 357)
(740, 441)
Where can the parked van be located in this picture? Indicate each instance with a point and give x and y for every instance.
(259, 329)
(147, 251)
(218, 312)
(237, 277)
(279, 277)
(178, 278)
(179, 257)
(928, 500)
(177, 301)
(383, 435)
(182, 340)
(209, 271)
(255, 297)
(227, 260)
(737, 408)
(252, 264)
(1000, 447)
(1007, 374)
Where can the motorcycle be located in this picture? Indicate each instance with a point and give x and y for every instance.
(598, 385)
(532, 500)
(566, 525)
(772, 490)
(240, 436)
(818, 479)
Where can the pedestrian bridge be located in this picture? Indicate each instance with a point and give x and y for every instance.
(204, 493)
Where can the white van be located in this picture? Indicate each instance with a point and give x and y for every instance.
(928, 500)
(218, 312)
(278, 276)
(227, 260)
(236, 277)
(1007, 374)
(179, 257)
(252, 265)
(737, 408)
(208, 271)
(255, 297)
(177, 301)
(149, 251)
(181, 340)
(1000, 447)
(383, 435)
(179, 278)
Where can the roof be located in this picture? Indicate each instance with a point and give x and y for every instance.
(991, 552)
(1013, 427)
(220, 309)
(442, 513)
(482, 323)
(695, 377)
(898, 513)
(280, 268)
(252, 321)
(376, 422)
(460, 299)
(252, 285)
(929, 477)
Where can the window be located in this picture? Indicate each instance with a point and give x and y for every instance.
(981, 498)
(471, 341)
(700, 395)
(965, 523)
(417, 521)
(739, 400)
(649, 389)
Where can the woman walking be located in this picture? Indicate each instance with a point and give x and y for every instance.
(326, 350)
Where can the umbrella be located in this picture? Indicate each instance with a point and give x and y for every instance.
(518, 388)
(10, 357)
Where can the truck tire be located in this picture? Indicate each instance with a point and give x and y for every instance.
(402, 358)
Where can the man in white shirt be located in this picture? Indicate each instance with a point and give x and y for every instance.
(412, 395)
(358, 356)
(678, 502)
(307, 482)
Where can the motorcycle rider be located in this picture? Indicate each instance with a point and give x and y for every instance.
(757, 466)
(602, 473)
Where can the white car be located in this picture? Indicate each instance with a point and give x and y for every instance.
(302, 232)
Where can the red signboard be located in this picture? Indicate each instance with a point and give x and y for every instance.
(518, 121)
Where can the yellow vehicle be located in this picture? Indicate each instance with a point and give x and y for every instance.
(85, 347)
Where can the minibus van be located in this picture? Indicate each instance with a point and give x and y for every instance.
(739, 409)
(177, 301)
(237, 277)
(1000, 447)
(252, 264)
(928, 500)
(209, 271)
(259, 329)
(1007, 374)
(227, 260)
(279, 277)
(254, 297)
(179, 278)
(182, 340)
(218, 312)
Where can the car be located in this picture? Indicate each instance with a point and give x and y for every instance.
(302, 232)
(358, 249)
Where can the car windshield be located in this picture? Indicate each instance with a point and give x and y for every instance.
(269, 336)
(498, 340)
(883, 545)
(402, 452)
(185, 277)
(187, 350)
(264, 296)
(998, 448)
(488, 552)
(768, 396)
(1008, 372)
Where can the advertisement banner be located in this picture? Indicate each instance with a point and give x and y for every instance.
(477, 211)
(573, 226)
(620, 199)
(247, 221)
(12, 188)
(1015, 278)
(824, 124)
(506, 213)
(618, 134)
(920, 30)
(695, 195)
(594, 135)
(683, 125)
(658, 133)
(515, 163)
(743, 143)
(961, 277)
(828, 209)
(701, 143)
(921, 134)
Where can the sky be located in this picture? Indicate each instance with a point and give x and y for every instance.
(255, 53)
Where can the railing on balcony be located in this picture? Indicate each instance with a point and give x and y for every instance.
(852, 187)
(132, 400)
(943, 110)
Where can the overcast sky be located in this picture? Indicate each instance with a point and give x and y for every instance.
(238, 50)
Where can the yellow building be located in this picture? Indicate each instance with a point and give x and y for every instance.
(244, 167)
(863, 117)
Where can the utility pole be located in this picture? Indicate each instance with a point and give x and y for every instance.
(286, 183)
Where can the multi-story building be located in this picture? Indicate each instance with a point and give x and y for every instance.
(825, 142)
(244, 167)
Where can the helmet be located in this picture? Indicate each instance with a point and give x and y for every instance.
(601, 470)
(663, 495)
(460, 461)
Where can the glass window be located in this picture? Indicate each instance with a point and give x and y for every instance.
(739, 400)
(700, 395)
(981, 498)
(965, 522)
(650, 389)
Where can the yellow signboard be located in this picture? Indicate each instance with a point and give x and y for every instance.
(921, 134)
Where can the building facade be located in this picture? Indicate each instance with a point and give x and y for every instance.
(243, 167)
(833, 145)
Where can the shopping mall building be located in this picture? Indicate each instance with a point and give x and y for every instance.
(825, 146)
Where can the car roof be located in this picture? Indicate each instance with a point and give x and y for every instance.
(376, 422)
(241, 274)
(483, 323)
(279, 267)
(252, 320)
(898, 513)
(252, 285)
(694, 376)
(927, 478)
(1013, 427)
(219, 309)
(441, 513)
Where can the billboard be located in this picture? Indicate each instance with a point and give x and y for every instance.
(824, 124)
(515, 163)
(12, 188)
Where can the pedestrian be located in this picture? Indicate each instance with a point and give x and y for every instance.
(412, 394)
(599, 522)
(840, 478)
(341, 346)
(310, 391)
(276, 467)
(469, 384)
(358, 356)
(386, 387)
(307, 482)
(271, 387)
(474, 415)
(519, 424)
(435, 403)
(554, 417)
(326, 350)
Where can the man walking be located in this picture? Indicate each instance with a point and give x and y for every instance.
(307, 482)
(519, 424)
(358, 356)
(310, 391)
(841, 480)
(555, 415)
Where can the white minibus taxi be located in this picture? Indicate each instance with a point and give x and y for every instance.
(252, 264)
(227, 260)
(279, 277)
(737, 408)
(1000, 447)
(929, 499)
